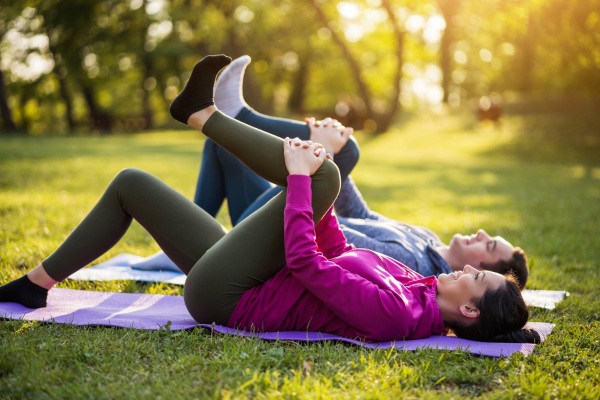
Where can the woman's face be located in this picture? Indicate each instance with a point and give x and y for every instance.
(462, 287)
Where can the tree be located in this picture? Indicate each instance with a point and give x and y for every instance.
(67, 25)
(113, 61)
(8, 124)
(449, 10)
(8, 12)
(381, 120)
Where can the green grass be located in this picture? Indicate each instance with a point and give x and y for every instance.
(541, 192)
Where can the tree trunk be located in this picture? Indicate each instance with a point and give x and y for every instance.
(100, 121)
(394, 103)
(66, 96)
(352, 63)
(525, 58)
(146, 107)
(296, 101)
(8, 124)
(449, 9)
(147, 73)
(382, 120)
(62, 85)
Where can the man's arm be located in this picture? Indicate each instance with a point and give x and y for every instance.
(350, 203)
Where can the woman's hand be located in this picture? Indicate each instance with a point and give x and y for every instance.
(330, 133)
(303, 157)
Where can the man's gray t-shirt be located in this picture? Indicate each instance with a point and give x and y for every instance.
(414, 246)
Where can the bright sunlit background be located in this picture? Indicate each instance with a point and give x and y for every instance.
(116, 64)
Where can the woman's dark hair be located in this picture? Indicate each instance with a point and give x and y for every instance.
(516, 265)
(502, 316)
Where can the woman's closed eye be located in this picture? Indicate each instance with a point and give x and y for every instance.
(491, 245)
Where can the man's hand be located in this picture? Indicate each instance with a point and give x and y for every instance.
(303, 157)
(330, 133)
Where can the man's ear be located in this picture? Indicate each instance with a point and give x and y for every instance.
(469, 310)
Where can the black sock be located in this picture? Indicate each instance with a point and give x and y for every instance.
(24, 292)
(199, 90)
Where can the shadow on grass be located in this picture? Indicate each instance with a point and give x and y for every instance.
(62, 148)
(25, 161)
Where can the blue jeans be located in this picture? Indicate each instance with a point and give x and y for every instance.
(244, 190)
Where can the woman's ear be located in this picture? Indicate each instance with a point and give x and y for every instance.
(469, 310)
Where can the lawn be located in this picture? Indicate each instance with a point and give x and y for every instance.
(534, 180)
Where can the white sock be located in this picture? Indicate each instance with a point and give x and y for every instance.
(229, 96)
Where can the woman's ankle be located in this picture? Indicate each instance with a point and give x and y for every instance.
(40, 277)
(199, 118)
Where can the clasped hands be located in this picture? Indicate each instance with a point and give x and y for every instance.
(303, 157)
(329, 132)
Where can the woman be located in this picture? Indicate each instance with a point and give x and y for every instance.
(415, 246)
(277, 270)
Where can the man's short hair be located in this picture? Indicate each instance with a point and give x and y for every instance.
(517, 265)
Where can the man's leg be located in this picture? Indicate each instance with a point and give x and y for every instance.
(246, 191)
(210, 189)
(229, 99)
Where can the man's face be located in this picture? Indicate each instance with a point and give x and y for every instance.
(479, 248)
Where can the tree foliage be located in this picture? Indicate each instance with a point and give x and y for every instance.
(101, 65)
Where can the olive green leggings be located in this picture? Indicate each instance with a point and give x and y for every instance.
(220, 266)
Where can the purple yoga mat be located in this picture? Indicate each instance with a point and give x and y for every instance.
(151, 311)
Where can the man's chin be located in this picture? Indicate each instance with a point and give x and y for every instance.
(457, 238)
(455, 243)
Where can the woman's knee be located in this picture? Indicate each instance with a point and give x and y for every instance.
(327, 182)
(130, 175)
(133, 180)
(347, 158)
(351, 151)
(128, 178)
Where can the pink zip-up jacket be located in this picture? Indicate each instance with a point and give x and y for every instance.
(329, 286)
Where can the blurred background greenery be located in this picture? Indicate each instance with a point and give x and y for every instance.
(114, 65)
